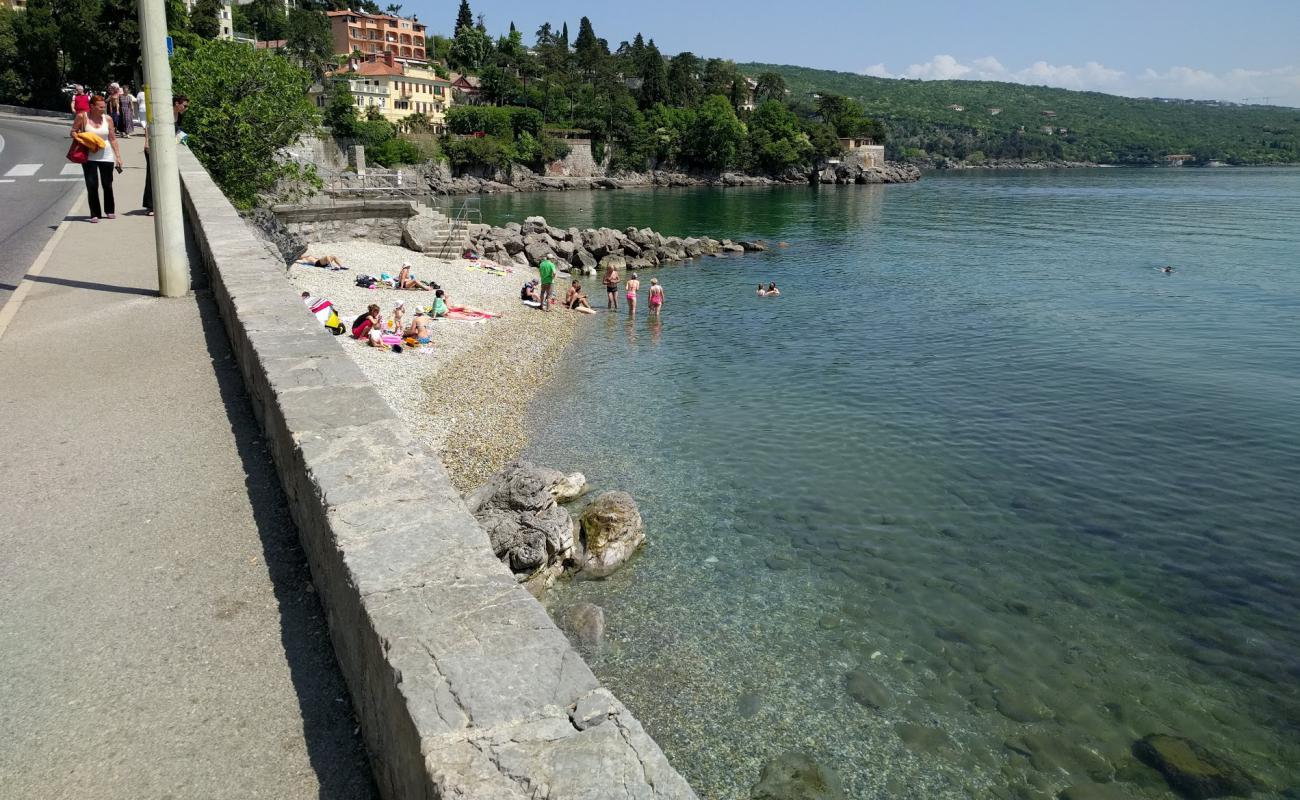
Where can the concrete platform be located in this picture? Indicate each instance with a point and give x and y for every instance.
(159, 632)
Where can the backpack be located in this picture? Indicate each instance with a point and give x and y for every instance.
(367, 281)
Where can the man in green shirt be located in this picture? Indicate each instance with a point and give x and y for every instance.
(546, 271)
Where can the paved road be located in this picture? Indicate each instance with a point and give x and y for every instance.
(34, 193)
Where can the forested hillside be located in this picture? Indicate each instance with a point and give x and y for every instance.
(921, 122)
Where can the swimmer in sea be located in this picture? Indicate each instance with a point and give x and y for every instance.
(761, 291)
(772, 291)
(1167, 270)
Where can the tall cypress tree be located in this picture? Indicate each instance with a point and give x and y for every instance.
(564, 37)
(464, 17)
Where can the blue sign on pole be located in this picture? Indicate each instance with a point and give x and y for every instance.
(170, 47)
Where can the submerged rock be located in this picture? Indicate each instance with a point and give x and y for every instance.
(868, 691)
(585, 624)
(796, 776)
(611, 531)
(922, 738)
(1190, 769)
(749, 704)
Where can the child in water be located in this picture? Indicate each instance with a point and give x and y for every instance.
(761, 291)
(656, 297)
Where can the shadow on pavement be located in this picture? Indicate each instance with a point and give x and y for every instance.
(98, 287)
(336, 752)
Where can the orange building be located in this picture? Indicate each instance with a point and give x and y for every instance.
(376, 33)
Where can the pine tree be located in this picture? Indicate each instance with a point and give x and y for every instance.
(654, 75)
(587, 47)
(564, 37)
(464, 17)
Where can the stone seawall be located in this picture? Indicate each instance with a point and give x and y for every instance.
(463, 686)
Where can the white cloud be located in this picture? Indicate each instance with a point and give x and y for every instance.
(1281, 85)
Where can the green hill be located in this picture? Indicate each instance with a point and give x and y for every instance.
(1107, 129)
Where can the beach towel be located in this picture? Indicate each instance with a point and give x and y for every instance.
(329, 316)
(459, 312)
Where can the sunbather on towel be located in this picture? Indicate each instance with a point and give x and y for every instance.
(405, 281)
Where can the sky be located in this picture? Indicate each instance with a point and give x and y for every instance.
(1243, 50)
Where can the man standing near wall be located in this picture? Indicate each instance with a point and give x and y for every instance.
(546, 271)
(179, 103)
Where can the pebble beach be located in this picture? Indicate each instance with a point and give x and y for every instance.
(466, 395)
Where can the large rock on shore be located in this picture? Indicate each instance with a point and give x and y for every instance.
(1191, 770)
(519, 509)
(610, 532)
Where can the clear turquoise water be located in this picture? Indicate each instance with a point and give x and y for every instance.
(981, 449)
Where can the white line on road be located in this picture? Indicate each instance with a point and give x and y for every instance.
(10, 309)
(2, 144)
(6, 180)
(71, 169)
(56, 180)
(22, 170)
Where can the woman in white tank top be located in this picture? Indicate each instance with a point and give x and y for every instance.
(100, 164)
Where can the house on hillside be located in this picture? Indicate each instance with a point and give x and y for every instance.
(955, 107)
(1049, 114)
(468, 86)
(1177, 159)
(862, 150)
(1048, 129)
(993, 112)
(373, 34)
(398, 89)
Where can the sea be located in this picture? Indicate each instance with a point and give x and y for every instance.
(982, 499)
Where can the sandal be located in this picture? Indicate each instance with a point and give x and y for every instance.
(94, 220)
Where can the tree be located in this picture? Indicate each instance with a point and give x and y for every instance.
(309, 40)
(464, 17)
(394, 8)
(266, 18)
(716, 137)
(588, 48)
(471, 50)
(11, 84)
(718, 77)
(205, 20)
(37, 33)
(776, 142)
(770, 86)
(245, 106)
(654, 75)
(684, 79)
(341, 110)
(545, 35)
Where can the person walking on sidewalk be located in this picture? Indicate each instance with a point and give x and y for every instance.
(99, 165)
(179, 103)
(126, 101)
(80, 100)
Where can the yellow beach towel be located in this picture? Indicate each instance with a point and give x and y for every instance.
(90, 141)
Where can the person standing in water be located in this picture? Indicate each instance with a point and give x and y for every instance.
(610, 280)
(633, 286)
(656, 297)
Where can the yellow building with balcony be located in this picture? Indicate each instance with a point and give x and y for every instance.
(397, 89)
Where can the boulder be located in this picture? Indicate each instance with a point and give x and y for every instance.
(1191, 770)
(534, 225)
(868, 691)
(611, 531)
(517, 507)
(288, 246)
(584, 260)
(796, 776)
(565, 250)
(585, 624)
(593, 709)
(558, 234)
(513, 228)
(631, 248)
(693, 247)
(535, 252)
(423, 233)
(514, 246)
(755, 246)
(617, 262)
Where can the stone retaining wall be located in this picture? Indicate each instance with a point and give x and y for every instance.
(379, 221)
(463, 686)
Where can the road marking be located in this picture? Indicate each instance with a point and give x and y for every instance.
(56, 180)
(6, 180)
(22, 170)
(71, 169)
(2, 144)
(10, 309)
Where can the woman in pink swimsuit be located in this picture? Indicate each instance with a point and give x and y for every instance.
(633, 285)
(656, 296)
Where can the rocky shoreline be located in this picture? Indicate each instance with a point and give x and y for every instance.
(440, 180)
(585, 251)
(954, 164)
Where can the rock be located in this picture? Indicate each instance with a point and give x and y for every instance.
(796, 776)
(593, 709)
(781, 562)
(514, 246)
(749, 704)
(1095, 791)
(1190, 769)
(868, 691)
(584, 261)
(289, 246)
(617, 262)
(534, 225)
(631, 248)
(922, 739)
(517, 508)
(611, 531)
(585, 624)
(565, 250)
(567, 488)
(1054, 755)
(1021, 707)
(422, 233)
(757, 246)
(536, 251)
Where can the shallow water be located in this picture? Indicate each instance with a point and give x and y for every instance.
(981, 450)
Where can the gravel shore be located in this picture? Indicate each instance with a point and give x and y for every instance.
(465, 396)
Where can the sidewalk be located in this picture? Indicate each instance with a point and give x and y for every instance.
(159, 635)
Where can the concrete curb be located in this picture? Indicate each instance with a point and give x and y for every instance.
(463, 685)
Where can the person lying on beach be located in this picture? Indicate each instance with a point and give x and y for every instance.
(470, 255)
(576, 300)
(529, 293)
(772, 291)
(328, 262)
(406, 281)
(421, 327)
(762, 292)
